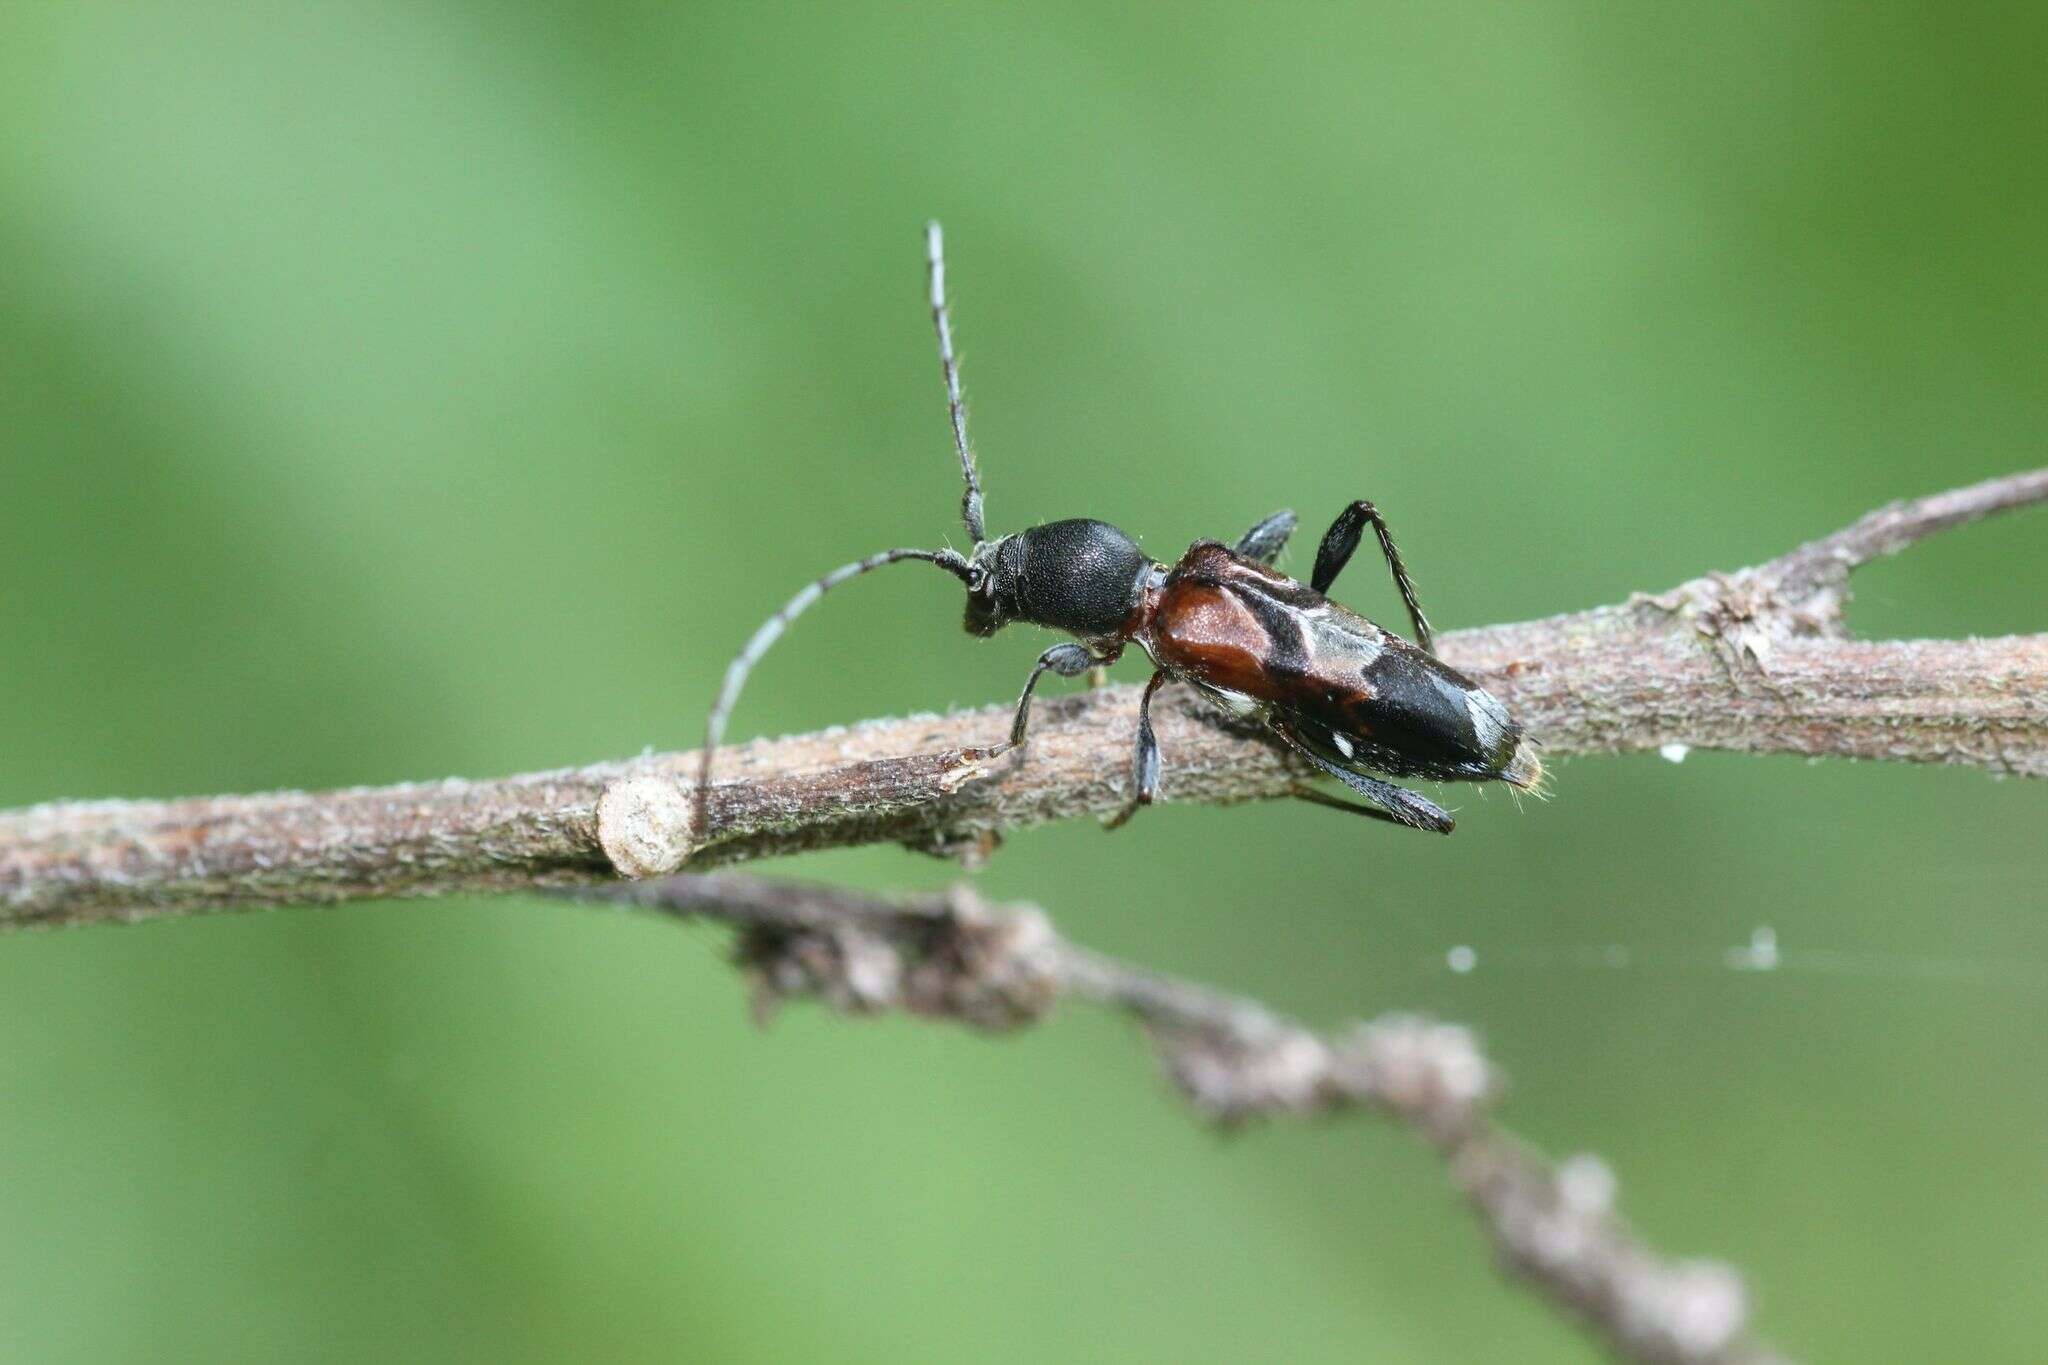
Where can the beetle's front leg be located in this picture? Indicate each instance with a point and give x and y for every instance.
(1067, 660)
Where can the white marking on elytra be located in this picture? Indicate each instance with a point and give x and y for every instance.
(1325, 632)
(1489, 719)
(1237, 703)
(1342, 742)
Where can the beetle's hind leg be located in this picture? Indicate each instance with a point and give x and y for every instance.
(1382, 800)
(1316, 796)
(1335, 552)
(1264, 542)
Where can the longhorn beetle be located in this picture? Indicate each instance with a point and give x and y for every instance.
(1352, 698)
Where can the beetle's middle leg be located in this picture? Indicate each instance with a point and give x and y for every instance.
(1264, 542)
(1144, 759)
(1335, 552)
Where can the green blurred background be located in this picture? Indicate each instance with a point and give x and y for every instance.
(391, 391)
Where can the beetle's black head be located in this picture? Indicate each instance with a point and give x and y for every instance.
(1079, 576)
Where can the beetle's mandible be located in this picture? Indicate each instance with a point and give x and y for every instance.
(1356, 700)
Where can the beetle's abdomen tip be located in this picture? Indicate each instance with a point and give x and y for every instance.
(1525, 771)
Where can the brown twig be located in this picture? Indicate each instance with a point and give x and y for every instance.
(956, 958)
(1757, 661)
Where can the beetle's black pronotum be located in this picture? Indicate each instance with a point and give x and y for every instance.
(1354, 699)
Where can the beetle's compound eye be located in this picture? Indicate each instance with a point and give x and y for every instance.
(985, 615)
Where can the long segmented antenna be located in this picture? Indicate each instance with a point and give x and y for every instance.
(771, 630)
(970, 501)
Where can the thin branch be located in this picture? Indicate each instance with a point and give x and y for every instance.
(956, 958)
(1757, 661)
(1826, 562)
